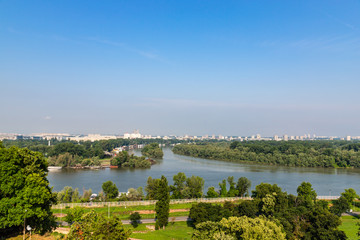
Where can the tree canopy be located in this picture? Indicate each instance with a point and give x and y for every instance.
(24, 191)
(152, 150)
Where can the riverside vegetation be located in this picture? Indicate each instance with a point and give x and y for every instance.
(26, 196)
(327, 154)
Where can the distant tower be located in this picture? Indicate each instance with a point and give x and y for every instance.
(49, 144)
(276, 137)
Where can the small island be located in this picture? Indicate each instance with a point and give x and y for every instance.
(124, 159)
(152, 151)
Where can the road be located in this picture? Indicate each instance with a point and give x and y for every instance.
(152, 220)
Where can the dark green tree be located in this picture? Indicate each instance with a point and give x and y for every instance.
(152, 150)
(195, 185)
(350, 195)
(233, 192)
(110, 190)
(24, 191)
(211, 193)
(135, 218)
(179, 186)
(223, 191)
(306, 194)
(340, 206)
(243, 186)
(151, 188)
(162, 206)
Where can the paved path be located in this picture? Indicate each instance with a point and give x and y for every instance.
(152, 220)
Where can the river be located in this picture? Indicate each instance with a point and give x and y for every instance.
(325, 181)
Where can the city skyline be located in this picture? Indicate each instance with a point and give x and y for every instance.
(176, 68)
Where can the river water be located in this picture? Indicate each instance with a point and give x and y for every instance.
(325, 181)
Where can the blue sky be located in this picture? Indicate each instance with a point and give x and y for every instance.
(180, 67)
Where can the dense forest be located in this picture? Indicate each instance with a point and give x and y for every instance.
(85, 153)
(330, 154)
(152, 151)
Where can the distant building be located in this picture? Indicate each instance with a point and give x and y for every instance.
(348, 138)
(135, 134)
(286, 137)
(276, 138)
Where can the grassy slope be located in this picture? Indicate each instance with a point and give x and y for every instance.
(349, 227)
(177, 230)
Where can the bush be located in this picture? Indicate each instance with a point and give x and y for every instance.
(135, 218)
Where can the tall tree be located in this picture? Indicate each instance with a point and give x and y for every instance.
(110, 190)
(25, 193)
(243, 186)
(195, 184)
(350, 195)
(163, 204)
(232, 190)
(223, 191)
(151, 188)
(179, 185)
(306, 194)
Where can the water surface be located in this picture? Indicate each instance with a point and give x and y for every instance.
(325, 181)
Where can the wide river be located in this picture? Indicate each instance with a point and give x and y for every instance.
(325, 181)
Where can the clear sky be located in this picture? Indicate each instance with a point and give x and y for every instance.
(180, 67)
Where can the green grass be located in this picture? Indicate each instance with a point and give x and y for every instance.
(349, 227)
(177, 230)
(124, 213)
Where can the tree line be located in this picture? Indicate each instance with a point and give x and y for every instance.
(328, 154)
(273, 214)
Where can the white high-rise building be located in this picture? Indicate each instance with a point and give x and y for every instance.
(286, 137)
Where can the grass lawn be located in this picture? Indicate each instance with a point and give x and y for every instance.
(124, 213)
(349, 226)
(177, 230)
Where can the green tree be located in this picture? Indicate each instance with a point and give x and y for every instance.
(233, 192)
(110, 190)
(152, 150)
(179, 185)
(306, 194)
(223, 191)
(243, 186)
(135, 218)
(240, 228)
(74, 215)
(211, 193)
(162, 206)
(96, 226)
(195, 186)
(24, 191)
(340, 206)
(350, 195)
(151, 188)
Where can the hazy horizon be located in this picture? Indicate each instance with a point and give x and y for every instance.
(185, 67)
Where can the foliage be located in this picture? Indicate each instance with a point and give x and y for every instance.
(68, 195)
(243, 186)
(135, 194)
(340, 206)
(96, 226)
(187, 187)
(110, 190)
(135, 218)
(350, 195)
(123, 159)
(306, 194)
(211, 193)
(162, 205)
(151, 188)
(239, 228)
(24, 191)
(289, 153)
(152, 150)
(74, 215)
